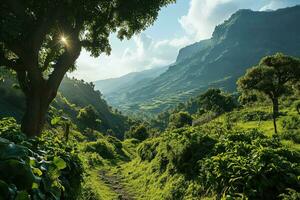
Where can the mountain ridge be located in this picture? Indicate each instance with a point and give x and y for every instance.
(237, 44)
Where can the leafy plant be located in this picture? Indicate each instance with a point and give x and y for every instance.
(39, 168)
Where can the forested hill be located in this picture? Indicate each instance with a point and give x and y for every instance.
(236, 45)
(115, 86)
(73, 97)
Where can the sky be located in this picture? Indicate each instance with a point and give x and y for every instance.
(177, 26)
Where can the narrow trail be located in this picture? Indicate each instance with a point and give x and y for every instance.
(113, 181)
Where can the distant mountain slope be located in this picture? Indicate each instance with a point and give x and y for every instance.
(237, 44)
(114, 85)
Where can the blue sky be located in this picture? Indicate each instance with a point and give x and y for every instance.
(178, 25)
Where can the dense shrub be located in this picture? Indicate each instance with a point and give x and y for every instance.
(139, 132)
(41, 168)
(180, 119)
(291, 129)
(235, 165)
(256, 116)
(251, 164)
(216, 101)
(102, 147)
(10, 130)
(147, 150)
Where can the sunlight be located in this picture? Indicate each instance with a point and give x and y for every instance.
(63, 40)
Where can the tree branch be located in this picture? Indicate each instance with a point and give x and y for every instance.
(68, 58)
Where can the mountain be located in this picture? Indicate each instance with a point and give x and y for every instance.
(115, 85)
(73, 95)
(237, 44)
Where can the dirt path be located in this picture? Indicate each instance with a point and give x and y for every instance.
(114, 183)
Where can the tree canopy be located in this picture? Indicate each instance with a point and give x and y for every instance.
(89, 117)
(271, 77)
(180, 119)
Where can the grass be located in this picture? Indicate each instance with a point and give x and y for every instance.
(100, 189)
(267, 126)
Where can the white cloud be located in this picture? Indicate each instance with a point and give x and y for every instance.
(204, 15)
(144, 54)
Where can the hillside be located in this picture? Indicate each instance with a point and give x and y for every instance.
(113, 86)
(73, 95)
(236, 45)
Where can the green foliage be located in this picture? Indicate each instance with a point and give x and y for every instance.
(251, 164)
(105, 149)
(181, 119)
(139, 132)
(214, 100)
(290, 195)
(42, 168)
(73, 95)
(88, 117)
(291, 129)
(256, 116)
(230, 164)
(271, 75)
(10, 130)
(147, 149)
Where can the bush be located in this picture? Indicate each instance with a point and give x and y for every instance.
(10, 130)
(256, 116)
(180, 119)
(137, 132)
(291, 129)
(147, 150)
(215, 100)
(235, 165)
(102, 147)
(250, 164)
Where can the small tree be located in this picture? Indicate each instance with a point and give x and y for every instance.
(216, 101)
(271, 77)
(41, 40)
(139, 132)
(180, 119)
(89, 118)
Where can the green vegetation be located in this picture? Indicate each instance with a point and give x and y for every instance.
(210, 147)
(180, 119)
(88, 117)
(139, 132)
(193, 163)
(271, 77)
(71, 145)
(74, 95)
(42, 168)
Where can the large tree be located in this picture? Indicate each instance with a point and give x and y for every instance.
(271, 77)
(41, 40)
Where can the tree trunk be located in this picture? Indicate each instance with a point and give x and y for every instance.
(275, 113)
(37, 104)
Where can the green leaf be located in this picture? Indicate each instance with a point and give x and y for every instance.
(37, 171)
(35, 186)
(55, 120)
(59, 163)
